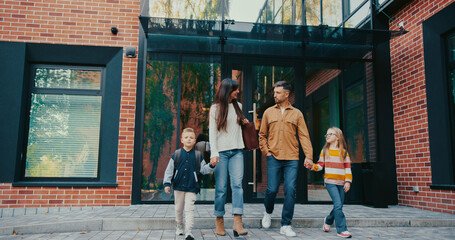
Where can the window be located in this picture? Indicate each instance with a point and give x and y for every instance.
(438, 45)
(64, 122)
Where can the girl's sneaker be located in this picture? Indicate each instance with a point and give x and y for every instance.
(325, 227)
(345, 234)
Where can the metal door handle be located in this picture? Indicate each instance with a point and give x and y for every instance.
(254, 151)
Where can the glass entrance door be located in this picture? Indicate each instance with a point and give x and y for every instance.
(257, 79)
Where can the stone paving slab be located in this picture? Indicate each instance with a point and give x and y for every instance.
(411, 233)
(161, 217)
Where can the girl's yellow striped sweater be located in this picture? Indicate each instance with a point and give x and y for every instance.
(337, 171)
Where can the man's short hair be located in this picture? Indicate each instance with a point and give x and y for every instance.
(188, 130)
(286, 86)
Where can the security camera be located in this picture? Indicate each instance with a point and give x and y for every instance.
(114, 30)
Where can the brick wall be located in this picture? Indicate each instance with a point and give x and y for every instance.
(320, 79)
(81, 22)
(410, 111)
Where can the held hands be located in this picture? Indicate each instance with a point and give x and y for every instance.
(347, 186)
(308, 163)
(214, 161)
(167, 190)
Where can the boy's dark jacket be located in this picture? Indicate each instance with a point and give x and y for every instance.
(185, 178)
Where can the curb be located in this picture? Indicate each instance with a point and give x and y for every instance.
(131, 224)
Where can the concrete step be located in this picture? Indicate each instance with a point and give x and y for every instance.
(132, 224)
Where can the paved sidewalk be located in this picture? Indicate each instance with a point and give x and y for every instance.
(411, 233)
(154, 220)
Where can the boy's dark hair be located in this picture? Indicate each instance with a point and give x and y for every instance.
(286, 86)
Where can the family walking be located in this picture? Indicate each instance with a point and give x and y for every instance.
(282, 128)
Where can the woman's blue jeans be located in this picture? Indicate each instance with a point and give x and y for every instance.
(336, 192)
(275, 168)
(230, 162)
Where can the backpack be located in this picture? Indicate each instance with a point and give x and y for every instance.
(198, 164)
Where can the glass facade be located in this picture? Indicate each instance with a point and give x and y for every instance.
(191, 47)
(292, 12)
(179, 91)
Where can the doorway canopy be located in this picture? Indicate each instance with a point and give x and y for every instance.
(230, 37)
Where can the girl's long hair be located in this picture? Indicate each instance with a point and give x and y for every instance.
(222, 99)
(341, 142)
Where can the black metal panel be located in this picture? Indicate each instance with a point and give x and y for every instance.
(384, 186)
(12, 69)
(139, 122)
(439, 128)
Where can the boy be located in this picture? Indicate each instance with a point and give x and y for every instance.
(185, 181)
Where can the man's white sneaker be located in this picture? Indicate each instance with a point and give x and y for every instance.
(267, 220)
(179, 230)
(287, 230)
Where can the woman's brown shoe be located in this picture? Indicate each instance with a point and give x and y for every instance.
(238, 228)
(220, 226)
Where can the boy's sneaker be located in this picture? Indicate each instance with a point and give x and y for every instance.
(287, 230)
(189, 237)
(267, 220)
(179, 230)
(325, 227)
(345, 234)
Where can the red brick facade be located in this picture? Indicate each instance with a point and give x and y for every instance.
(410, 111)
(82, 22)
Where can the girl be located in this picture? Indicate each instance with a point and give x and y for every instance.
(337, 177)
(226, 145)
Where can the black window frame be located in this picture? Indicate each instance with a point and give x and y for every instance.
(16, 59)
(435, 30)
(61, 91)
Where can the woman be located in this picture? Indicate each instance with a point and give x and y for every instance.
(226, 145)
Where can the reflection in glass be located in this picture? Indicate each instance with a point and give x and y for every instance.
(359, 16)
(314, 12)
(199, 84)
(160, 123)
(264, 77)
(316, 189)
(325, 114)
(170, 107)
(331, 12)
(67, 78)
(355, 123)
(63, 136)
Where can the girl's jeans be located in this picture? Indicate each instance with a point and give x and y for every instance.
(336, 192)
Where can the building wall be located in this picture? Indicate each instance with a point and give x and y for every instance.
(82, 22)
(410, 111)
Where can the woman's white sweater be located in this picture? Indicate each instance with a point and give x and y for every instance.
(225, 140)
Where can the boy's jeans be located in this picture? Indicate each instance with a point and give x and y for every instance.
(184, 200)
(336, 192)
(230, 161)
(274, 170)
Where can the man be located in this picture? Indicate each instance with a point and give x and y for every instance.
(280, 126)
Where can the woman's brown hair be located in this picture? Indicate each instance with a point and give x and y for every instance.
(222, 98)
